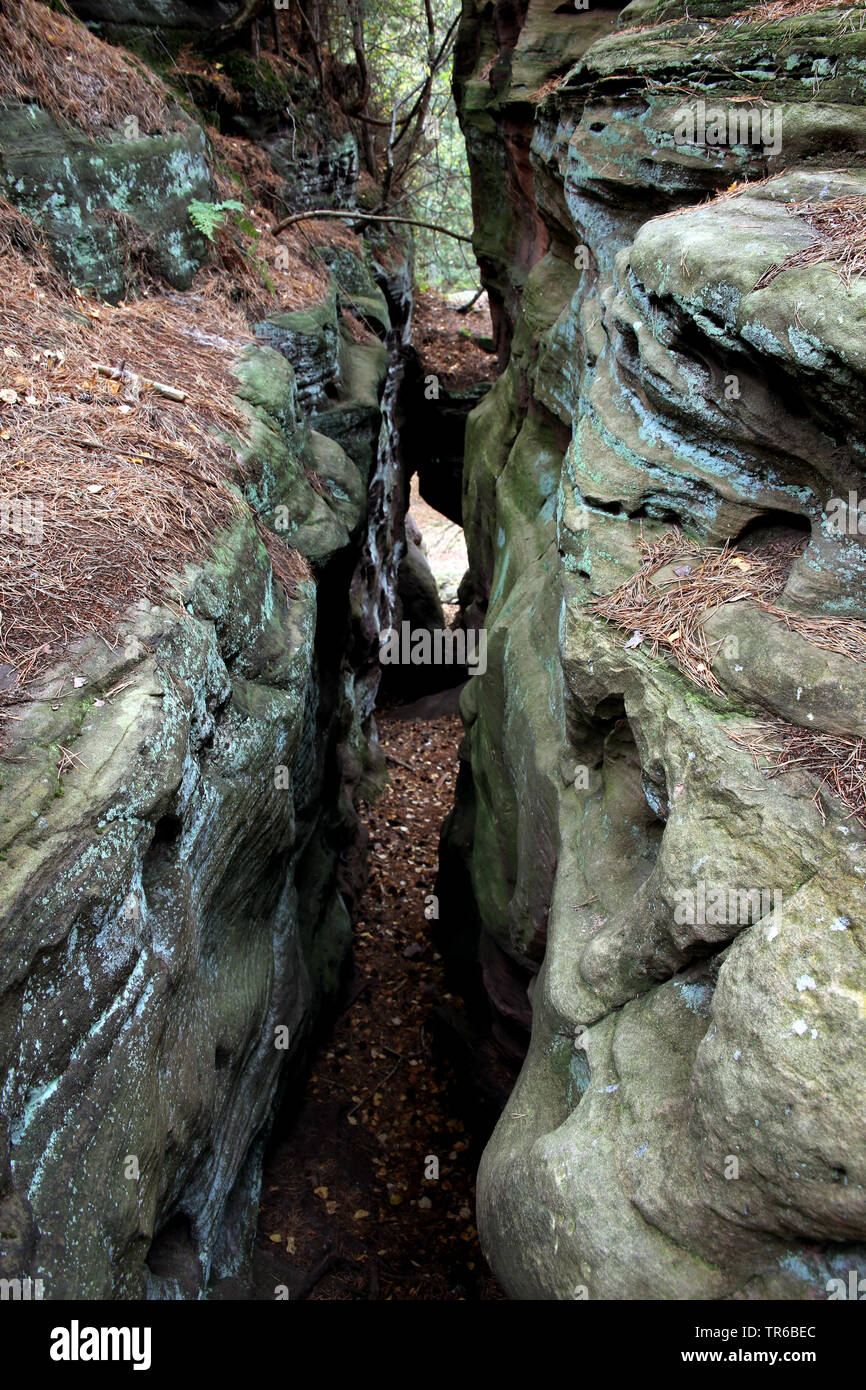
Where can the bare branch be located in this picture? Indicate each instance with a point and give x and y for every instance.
(359, 216)
(464, 308)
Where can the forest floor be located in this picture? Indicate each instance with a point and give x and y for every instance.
(448, 344)
(346, 1209)
(369, 1186)
(453, 345)
(444, 545)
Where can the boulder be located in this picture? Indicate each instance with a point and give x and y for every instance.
(97, 200)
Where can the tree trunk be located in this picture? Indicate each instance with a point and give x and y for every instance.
(275, 29)
(312, 29)
(227, 33)
(414, 122)
(359, 107)
(356, 15)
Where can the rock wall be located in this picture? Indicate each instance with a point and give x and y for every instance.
(172, 925)
(682, 1123)
(175, 907)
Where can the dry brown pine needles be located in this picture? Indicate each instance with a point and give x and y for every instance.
(669, 614)
(754, 15)
(839, 225)
(838, 761)
(129, 485)
(791, 9)
(52, 59)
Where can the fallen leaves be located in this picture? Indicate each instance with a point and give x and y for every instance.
(353, 1172)
(439, 333)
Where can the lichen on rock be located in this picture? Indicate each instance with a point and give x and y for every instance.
(676, 1129)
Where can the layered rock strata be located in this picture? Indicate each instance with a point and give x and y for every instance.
(683, 1123)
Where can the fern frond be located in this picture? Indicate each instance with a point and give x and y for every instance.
(207, 218)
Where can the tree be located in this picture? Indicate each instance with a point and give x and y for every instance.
(388, 62)
(245, 18)
(410, 122)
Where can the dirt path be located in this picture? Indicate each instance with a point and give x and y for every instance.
(347, 1211)
(448, 341)
(444, 544)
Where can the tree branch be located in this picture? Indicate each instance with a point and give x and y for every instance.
(464, 308)
(359, 216)
(437, 63)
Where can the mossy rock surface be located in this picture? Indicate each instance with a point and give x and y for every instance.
(162, 14)
(170, 914)
(679, 936)
(84, 194)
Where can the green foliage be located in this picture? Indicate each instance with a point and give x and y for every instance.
(440, 192)
(207, 218)
(435, 187)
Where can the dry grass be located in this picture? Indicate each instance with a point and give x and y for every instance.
(839, 225)
(52, 59)
(838, 762)
(132, 485)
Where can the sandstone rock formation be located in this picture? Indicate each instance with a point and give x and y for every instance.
(174, 905)
(687, 1121)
